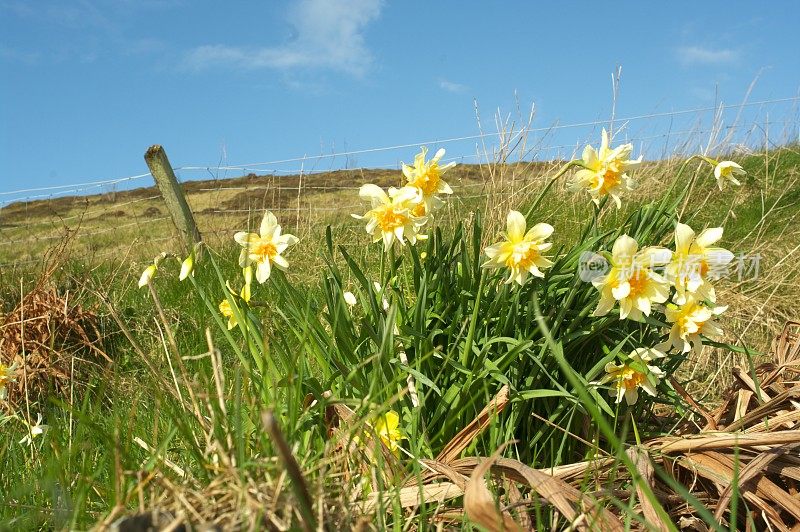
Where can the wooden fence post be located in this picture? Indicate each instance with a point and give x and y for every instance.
(171, 191)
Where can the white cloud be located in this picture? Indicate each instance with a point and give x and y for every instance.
(450, 86)
(699, 55)
(329, 34)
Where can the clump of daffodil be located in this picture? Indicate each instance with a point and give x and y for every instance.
(727, 171)
(695, 262)
(391, 217)
(521, 251)
(634, 373)
(227, 311)
(631, 279)
(604, 171)
(427, 177)
(265, 249)
(7, 374)
(689, 321)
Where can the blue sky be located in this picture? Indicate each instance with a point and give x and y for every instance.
(87, 85)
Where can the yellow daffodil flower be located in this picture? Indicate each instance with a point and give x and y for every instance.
(604, 171)
(696, 262)
(633, 374)
(521, 252)
(427, 177)
(266, 248)
(387, 427)
(689, 321)
(390, 217)
(147, 275)
(631, 279)
(727, 171)
(227, 311)
(7, 374)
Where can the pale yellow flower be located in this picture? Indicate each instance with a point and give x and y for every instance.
(696, 262)
(147, 275)
(350, 298)
(727, 171)
(33, 431)
(631, 280)
(634, 373)
(604, 171)
(427, 177)
(390, 217)
(521, 251)
(266, 248)
(7, 374)
(690, 321)
(227, 311)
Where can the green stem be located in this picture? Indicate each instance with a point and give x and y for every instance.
(383, 266)
(686, 190)
(680, 171)
(564, 169)
(465, 355)
(596, 216)
(635, 428)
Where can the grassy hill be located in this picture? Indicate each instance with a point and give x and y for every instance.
(118, 435)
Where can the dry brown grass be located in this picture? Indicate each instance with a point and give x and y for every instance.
(44, 335)
(746, 447)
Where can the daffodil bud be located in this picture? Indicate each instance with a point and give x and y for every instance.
(187, 267)
(247, 273)
(350, 298)
(246, 292)
(147, 275)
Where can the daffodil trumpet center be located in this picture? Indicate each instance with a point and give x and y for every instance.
(612, 178)
(264, 251)
(629, 378)
(389, 219)
(523, 257)
(428, 182)
(638, 283)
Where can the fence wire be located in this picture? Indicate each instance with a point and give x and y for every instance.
(103, 215)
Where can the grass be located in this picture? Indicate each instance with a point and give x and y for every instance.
(129, 435)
